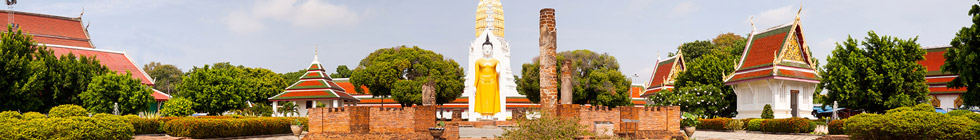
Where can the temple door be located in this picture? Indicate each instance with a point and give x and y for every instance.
(794, 101)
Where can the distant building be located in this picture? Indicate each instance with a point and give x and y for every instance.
(940, 95)
(313, 88)
(775, 69)
(664, 74)
(635, 91)
(65, 35)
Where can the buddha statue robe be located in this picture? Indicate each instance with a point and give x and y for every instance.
(487, 87)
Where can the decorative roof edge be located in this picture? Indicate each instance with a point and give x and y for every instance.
(79, 19)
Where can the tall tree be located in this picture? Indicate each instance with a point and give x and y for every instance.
(165, 76)
(342, 72)
(20, 63)
(964, 59)
(107, 89)
(882, 75)
(222, 87)
(595, 77)
(399, 72)
(66, 77)
(292, 77)
(693, 50)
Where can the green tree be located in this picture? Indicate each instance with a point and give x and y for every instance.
(68, 76)
(223, 86)
(165, 76)
(963, 59)
(767, 112)
(177, 107)
(19, 65)
(263, 83)
(595, 77)
(131, 95)
(882, 75)
(693, 50)
(292, 77)
(342, 72)
(728, 40)
(399, 72)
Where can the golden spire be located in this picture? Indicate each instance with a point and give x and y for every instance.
(490, 16)
(799, 11)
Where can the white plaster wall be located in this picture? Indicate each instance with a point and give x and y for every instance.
(946, 101)
(754, 95)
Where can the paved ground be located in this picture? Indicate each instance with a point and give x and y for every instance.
(260, 137)
(472, 132)
(712, 135)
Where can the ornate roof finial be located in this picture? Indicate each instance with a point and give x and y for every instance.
(751, 21)
(316, 54)
(799, 11)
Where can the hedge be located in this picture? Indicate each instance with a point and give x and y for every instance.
(835, 127)
(69, 128)
(10, 114)
(33, 115)
(215, 128)
(754, 124)
(68, 110)
(919, 122)
(716, 123)
(788, 125)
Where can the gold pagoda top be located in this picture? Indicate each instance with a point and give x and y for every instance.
(490, 15)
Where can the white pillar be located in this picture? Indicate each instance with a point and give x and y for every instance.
(335, 103)
(314, 104)
(275, 108)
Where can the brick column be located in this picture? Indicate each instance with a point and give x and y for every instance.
(548, 73)
(360, 119)
(425, 117)
(429, 93)
(566, 82)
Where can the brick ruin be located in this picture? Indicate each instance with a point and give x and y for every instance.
(362, 122)
(661, 122)
(548, 72)
(566, 84)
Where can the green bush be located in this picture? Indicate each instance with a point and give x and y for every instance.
(177, 107)
(735, 125)
(959, 112)
(788, 125)
(546, 127)
(68, 110)
(10, 114)
(836, 127)
(76, 127)
(33, 115)
(745, 122)
(716, 123)
(767, 112)
(690, 120)
(214, 128)
(145, 126)
(8, 128)
(919, 122)
(754, 124)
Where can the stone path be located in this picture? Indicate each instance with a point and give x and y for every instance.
(473, 132)
(259, 137)
(713, 135)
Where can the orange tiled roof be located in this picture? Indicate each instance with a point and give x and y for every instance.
(51, 29)
(760, 57)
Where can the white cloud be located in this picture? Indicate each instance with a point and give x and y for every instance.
(683, 8)
(301, 13)
(774, 17)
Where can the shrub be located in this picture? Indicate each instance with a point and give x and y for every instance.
(68, 110)
(144, 126)
(8, 128)
(788, 125)
(836, 127)
(75, 128)
(546, 127)
(919, 122)
(213, 127)
(959, 112)
(33, 115)
(690, 120)
(177, 107)
(716, 123)
(10, 114)
(754, 124)
(745, 122)
(767, 112)
(735, 125)
(303, 120)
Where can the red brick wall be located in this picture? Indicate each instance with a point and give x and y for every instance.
(424, 118)
(588, 115)
(660, 118)
(359, 119)
(329, 120)
(392, 120)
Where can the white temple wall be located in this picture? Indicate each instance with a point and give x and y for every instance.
(754, 95)
(946, 101)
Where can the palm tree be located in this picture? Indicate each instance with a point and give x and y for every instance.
(288, 108)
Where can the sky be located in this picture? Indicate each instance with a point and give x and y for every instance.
(281, 35)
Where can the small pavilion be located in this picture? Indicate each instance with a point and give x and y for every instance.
(313, 88)
(940, 95)
(664, 74)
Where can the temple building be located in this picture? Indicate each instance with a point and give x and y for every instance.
(940, 95)
(314, 88)
(775, 69)
(664, 74)
(635, 91)
(65, 35)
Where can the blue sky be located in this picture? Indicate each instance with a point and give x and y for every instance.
(280, 35)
